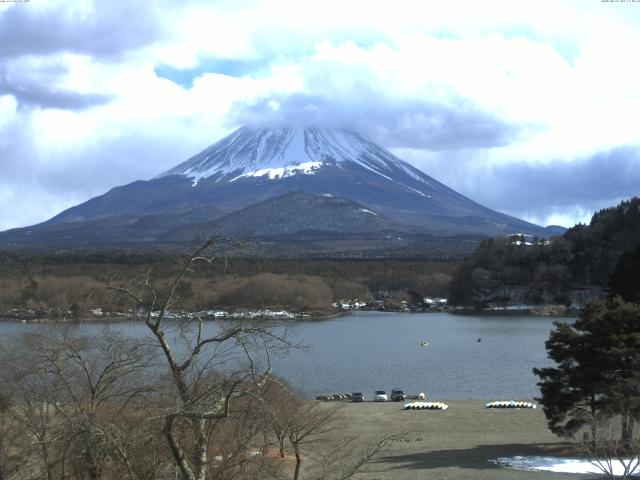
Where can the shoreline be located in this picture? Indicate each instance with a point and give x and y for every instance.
(25, 315)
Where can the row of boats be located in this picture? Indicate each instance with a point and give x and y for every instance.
(425, 406)
(444, 406)
(510, 404)
(430, 405)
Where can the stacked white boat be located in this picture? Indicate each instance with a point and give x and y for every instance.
(510, 404)
(425, 406)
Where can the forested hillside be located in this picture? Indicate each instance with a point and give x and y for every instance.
(582, 264)
(56, 284)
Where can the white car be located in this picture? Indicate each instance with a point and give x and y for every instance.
(380, 396)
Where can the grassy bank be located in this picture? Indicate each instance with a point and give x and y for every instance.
(452, 444)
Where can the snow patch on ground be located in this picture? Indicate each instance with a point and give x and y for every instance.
(558, 465)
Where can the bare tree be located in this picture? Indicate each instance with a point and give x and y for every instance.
(237, 453)
(344, 458)
(35, 411)
(280, 404)
(308, 425)
(207, 369)
(611, 453)
(182, 401)
(33, 397)
(71, 394)
(12, 447)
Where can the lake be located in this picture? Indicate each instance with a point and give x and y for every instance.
(367, 351)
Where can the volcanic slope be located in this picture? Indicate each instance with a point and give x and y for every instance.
(253, 165)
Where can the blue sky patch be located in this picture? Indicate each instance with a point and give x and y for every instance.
(225, 66)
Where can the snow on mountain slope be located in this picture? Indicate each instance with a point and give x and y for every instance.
(283, 152)
(238, 177)
(307, 168)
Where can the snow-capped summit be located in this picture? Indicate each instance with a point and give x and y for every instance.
(276, 153)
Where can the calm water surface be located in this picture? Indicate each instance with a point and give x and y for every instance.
(367, 351)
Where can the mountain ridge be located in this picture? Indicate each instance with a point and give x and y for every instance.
(254, 165)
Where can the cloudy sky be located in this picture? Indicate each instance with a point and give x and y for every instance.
(529, 107)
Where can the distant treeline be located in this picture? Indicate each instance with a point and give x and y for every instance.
(63, 280)
(602, 256)
(587, 261)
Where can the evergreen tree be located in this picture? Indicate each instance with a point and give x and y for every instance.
(625, 279)
(597, 369)
(619, 330)
(587, 256)
(575, 390)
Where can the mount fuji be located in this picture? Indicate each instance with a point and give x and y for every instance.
(284, 184)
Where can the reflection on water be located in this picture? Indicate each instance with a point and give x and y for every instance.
(369, 351)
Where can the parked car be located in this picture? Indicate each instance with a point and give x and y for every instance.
(357, 397)
(380, 396)
(397, 395)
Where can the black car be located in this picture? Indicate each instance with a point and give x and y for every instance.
(357, 397)
(397, 395)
